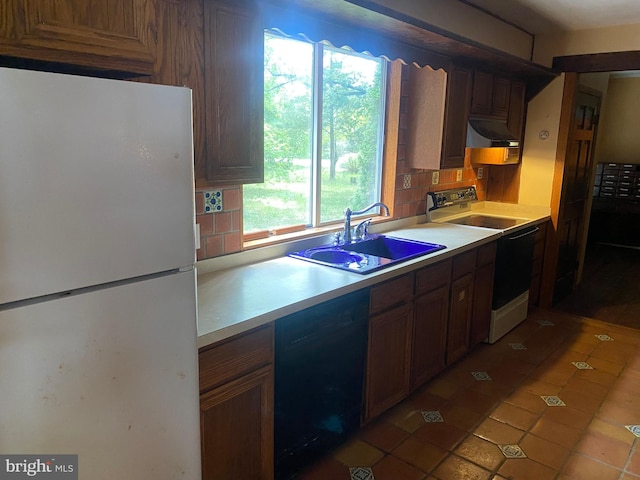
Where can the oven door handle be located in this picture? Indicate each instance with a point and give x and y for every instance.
(527, 233)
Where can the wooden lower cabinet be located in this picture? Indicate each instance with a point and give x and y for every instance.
(429, 343)
(387, 376)
(236, 407)
(236, 420)
(483, 294)
(460, 311)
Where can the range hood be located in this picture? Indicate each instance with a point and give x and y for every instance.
(489, 133)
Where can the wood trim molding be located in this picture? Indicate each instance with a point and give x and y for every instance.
(392, 124)
(598, 62)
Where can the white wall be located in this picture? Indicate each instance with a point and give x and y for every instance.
(467, 22)
(538, 155)
(601, 40)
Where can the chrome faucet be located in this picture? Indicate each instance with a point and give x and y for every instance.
(346, 234)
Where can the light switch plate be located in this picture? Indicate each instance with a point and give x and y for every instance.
(480, 172)
(459, 175)
(435, 177)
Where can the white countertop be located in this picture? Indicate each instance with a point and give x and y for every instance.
(235, 299)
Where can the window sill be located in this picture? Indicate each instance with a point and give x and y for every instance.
(302, 235)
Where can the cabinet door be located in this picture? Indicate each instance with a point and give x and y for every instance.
(482, 295)
(500, 98)
(456, 117)
(234, 96)
(236, 423)
(110, 34)
(388, 359)
(481, 98)
(515, 118)
(429, 344)
(460, 311)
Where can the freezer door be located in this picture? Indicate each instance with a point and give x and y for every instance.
(109, 375)
(96, 181)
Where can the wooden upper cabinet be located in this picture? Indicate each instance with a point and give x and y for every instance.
(490, 96)
(119, 35)
(456, 117)
(234, 92)
(517, 110)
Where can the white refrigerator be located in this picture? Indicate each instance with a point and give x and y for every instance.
(98, 353)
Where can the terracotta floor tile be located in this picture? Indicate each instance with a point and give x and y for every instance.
(584, 468)
(404, 416)
(604, 449)
(556, 432)
(383, 435)
(629, 476)
(442, 387)
(586, 387)
(615, 413)
(528, 401)
(419, 453)
(475, 401)
(456, 468)
(424, 400)
(580, 346)
(481, 452)
(357, 453)
(526, 469)
(461, 417)
(441, 434)
(606, 366)
(325, 469)
(544, 451)
(568, 416)
(493, 388)
(580, 401)
(596, 376)
(616, 432)
(555, 374)
(539, 387)
(615, 352)
(514, 416)
(391, 468)
(507, 376)
(498, 432)
(634, 463)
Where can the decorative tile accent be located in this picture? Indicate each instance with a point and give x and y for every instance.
(517, 346)
(582, 365)
(635, 429)
(481, 375)
(604, 338)
(553, 401)
(432, 416)
(406, 182)
(361, 473)
(212, 201)
(546, 323)
(512, 451)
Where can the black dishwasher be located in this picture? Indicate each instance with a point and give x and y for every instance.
(320, 356)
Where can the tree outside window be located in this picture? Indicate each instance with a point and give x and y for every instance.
(323, 124)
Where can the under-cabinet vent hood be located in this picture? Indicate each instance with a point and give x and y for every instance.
(489, 133)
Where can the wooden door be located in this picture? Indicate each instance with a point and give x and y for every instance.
(461, 309)
(388, 359)
(109, 35)
(429, 343)
(571, 190)
(236, 423)
(456, 117)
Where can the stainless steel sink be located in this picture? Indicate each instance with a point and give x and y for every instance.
(365, 256)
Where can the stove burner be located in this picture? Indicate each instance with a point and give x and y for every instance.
(485, 221)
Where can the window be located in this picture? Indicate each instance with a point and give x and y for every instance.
(324, 115)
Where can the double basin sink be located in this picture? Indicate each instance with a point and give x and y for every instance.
(368, 255)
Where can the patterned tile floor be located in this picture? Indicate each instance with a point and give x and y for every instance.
(557, 398)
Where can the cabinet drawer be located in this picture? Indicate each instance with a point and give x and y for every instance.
(464, 263)
(487, 254)
(235, 357)
(391, 293)
(433, 277)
